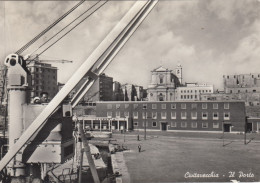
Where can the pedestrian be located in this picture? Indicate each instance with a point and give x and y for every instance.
(139, 148)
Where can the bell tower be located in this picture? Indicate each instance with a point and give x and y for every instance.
(178, 72)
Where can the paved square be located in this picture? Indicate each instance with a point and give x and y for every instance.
(183, 159)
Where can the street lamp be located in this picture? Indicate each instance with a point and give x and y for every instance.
(245, 129)
(223, 133)
(145, 117)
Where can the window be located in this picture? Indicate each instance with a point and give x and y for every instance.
(226, 116)
(173, 115)
(204, 115)
(144, 106)
(215, 125)
(183, 115)
(193, 106)
(215, 116)
(154, 115)
(226, 105)
(154, 124)
(109, 106)
(183, 106)
(193, 115)
(118, 114)
(173, 124)
(204, 106)
(215, 105)
(145, 123)
(135, 123)
(117, 106)
(183, 124)
(161, 78)
(163, 106)
(204, 125)
(109, 114)
(194, 125)
(154, 106)
(135, 115)
(135, 106)
(173, 106)
(144, 115)
(163, 115)
(126, 114)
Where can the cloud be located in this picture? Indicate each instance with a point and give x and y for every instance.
(209, 38)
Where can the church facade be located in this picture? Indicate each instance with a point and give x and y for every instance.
(163, 84)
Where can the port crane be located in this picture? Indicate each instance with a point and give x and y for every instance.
(95, 64)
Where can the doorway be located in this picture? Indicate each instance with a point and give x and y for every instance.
(227, 127)
(249, 127)
(164, 126)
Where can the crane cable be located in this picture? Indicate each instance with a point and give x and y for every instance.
(64, 28)
(73, 28)
(48, 28)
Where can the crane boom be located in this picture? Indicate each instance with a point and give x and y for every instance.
(92, 67)
(58, 61)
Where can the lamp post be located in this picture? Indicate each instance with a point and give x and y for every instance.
(124, 129)
(245, 130)
(223, 133)
(145, 123)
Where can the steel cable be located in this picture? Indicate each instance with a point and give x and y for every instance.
(72, 28)
(64, 28)
(48, 28)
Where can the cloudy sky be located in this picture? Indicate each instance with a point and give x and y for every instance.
(209, 38)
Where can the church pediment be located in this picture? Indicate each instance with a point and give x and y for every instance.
(160, 69)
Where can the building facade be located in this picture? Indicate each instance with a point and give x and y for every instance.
(193, 91)
(201, 116)
(178, 73)
(163, 84)
(118, 94)
(101, 90)
(44, 79)
(242, 83)
(129, 91)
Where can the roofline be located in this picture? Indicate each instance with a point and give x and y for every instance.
(179, 101)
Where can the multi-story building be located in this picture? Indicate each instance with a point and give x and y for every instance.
(118, 94)
(201, 116)
(44, 79)
(242, 83)
(129, 92)
(139, 92)
(192, 91)
(163, 84)
(101, 90)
